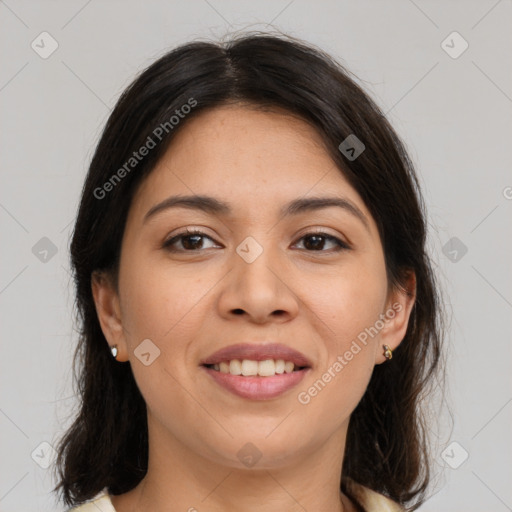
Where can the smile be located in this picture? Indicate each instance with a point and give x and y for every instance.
(256, 380)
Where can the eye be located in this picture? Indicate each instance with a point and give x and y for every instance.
(317, 242)
(192, 241)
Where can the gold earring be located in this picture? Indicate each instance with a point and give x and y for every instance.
(388, 353)
(114, 351)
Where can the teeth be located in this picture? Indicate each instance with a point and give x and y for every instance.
(248, 367)
(234, 367)
(266, 368)
(288, 367)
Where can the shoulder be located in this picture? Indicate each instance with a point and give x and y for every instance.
(100, 503)
(370, 500)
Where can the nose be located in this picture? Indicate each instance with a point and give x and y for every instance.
(259, 286)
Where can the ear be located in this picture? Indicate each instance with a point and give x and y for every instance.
(397, 314)
(106, 300)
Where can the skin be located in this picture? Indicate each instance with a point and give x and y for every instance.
(307, 296)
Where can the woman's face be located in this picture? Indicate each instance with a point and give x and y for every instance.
(312, 279)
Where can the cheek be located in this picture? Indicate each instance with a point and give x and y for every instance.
(159, 299)
(158, 304)
(349, 308)
(349, 301)
(165, 305)
(330, 398)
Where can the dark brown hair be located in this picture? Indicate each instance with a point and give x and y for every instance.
(387, 445)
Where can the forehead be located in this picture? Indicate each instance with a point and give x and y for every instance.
(244, 139)
(248, 157)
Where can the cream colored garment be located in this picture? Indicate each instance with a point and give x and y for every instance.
(100, 503)
(370, 500)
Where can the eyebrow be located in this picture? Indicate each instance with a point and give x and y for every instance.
(215, 206)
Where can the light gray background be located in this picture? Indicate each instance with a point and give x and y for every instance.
(454, 114)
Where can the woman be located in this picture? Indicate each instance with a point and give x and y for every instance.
(259, 315)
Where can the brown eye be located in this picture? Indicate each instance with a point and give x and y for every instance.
(317, 241)
(191, 240)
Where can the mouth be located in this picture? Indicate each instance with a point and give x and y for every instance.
(252, 368)
(257, 371)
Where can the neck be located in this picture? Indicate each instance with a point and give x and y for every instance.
(183, 479)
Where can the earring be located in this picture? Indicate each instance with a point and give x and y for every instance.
(114, 351)
(388, 353)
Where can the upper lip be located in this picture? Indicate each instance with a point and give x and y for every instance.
(258, 352)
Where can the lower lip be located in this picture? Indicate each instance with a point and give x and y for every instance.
(257, 388)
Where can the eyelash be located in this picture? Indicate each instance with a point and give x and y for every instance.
(191, 232)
